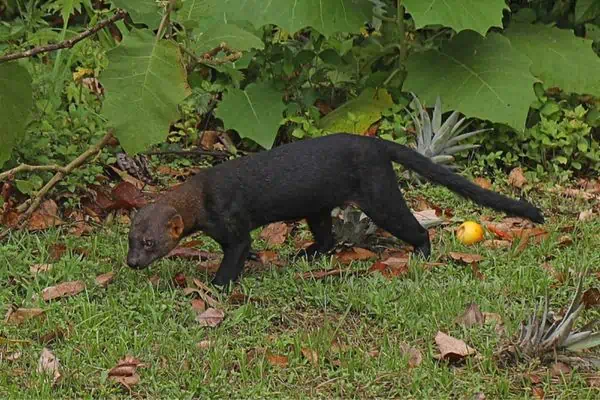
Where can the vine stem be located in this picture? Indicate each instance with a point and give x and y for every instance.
(119, 15)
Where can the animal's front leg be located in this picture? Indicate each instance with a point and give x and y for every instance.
(234, 256)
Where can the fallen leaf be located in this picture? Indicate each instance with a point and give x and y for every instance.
(516, 178)
(39, 268)
(205, 289)
(46, 216)
(125, 372)
(64, 289)
(483, 182)
(476, 272)
(104, 280)
(354, 254)
(538, 392)
(52, 336)
(452, 349)
(198, 305)
(269, 257)
(465, 257)
(14, 356)
(237, 298)
(560, 277)
(391, 267)
(502, 234)
(188, 253)
(20, 315)
(322, 273)
(208, 139)
(211, 317)
(277, 360)
(204, 344)
(179, 280)
(586, 215)
(535, 379)
(56, 251)
(471, 316)
(48, 364)
(560, 369)
(415, 358)
(310, 355)
(428, 218)
(591, 298)
(478, 396)
(593, 381)
(496, 244)
(565, 240)
(154, 280)
(128, 196)
(275, 234)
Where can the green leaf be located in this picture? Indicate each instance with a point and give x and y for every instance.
(30, 185)
(586, 10)
(459, 15)
(16, 101)
(560, 59)
(144, 83)
(480, 77)
(366, 109)
(147, 12)
(235, 37)
(255, 112)
(326, 16)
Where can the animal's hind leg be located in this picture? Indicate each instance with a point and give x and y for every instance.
(320, 226)
(383, 202)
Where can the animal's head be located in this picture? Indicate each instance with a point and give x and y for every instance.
(155, 231)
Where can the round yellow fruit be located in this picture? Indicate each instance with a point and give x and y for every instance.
(469, 232)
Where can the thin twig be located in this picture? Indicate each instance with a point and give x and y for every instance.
(119, 15)
(165, 19)
(30, 168)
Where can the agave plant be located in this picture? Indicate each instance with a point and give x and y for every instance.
(440, 141)
(545, 336)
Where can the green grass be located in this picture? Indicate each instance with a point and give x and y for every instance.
(363, 312)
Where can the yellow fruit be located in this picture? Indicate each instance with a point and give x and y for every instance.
(469, 232)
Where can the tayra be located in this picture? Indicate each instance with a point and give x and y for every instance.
(305, 179)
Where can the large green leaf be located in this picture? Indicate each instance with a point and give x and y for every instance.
(586, 10)
(255, 112)
(480, 77)
(477, 15)
(357, 115)
(235, 37)
(147, 12)
(16, 100)
(559, 58)
(144, 82)
(326, 16)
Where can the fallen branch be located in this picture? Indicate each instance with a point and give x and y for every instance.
(29, 168)
(36, 201)
(119, 15)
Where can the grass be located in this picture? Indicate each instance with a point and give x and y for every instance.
(370, 315)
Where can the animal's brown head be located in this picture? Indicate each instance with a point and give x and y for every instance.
(155, 231)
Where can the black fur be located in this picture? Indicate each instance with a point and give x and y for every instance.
(306, 179)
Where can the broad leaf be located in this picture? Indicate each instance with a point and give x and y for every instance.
(586, 10)
(480, 77)
(326, 16)
(459, 15)
(255, 112)
(560, 59)
(16, 100)
(147, 12)
(235, 37)
(144, 83)
(364, 111)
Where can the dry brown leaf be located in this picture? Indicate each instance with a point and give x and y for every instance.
(560, 369)
(154, 280)
(538, 392)
(46, 216)
(40, 268)
(451, 348)
(128, 196)
(269, 257)
(465, 257)
(483, 182)
(565, 240)
(104, 280)
(477, 274)
(415, 358)
(204, 344)
(189, 253)
(14, 356)
(53, 335)
(391, 267)
(208, 139)
(354, 254)
(497, 320)
(125, 372)
(64, 289)
(496, 244)
(20, 315)
(211, 317)
(56, 251)
(323, 273)
(586, 215)
(198, 305)
(311, 355)
(591, 298)
(179, 280)
(48, 364)
(516, 178)
(471, 316)
(277, 360)
(275, 234)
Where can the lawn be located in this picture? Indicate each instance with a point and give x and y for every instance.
(292, 336)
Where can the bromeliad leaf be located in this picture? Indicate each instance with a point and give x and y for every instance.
(475, 15)
(144, 83)
(564, 61)
(480, 77)
(255, 112)
(16, 100)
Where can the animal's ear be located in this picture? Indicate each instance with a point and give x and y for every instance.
(175, 226)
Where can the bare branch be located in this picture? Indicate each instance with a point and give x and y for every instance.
(29, 168)
(119, 15)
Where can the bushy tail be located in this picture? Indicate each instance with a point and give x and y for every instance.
(443, 176)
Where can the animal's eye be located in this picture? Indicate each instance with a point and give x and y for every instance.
(148, 243)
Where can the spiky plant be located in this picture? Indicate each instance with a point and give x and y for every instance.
(440, 141)
(545, 337)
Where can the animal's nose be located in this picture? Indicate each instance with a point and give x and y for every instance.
(132, 262)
